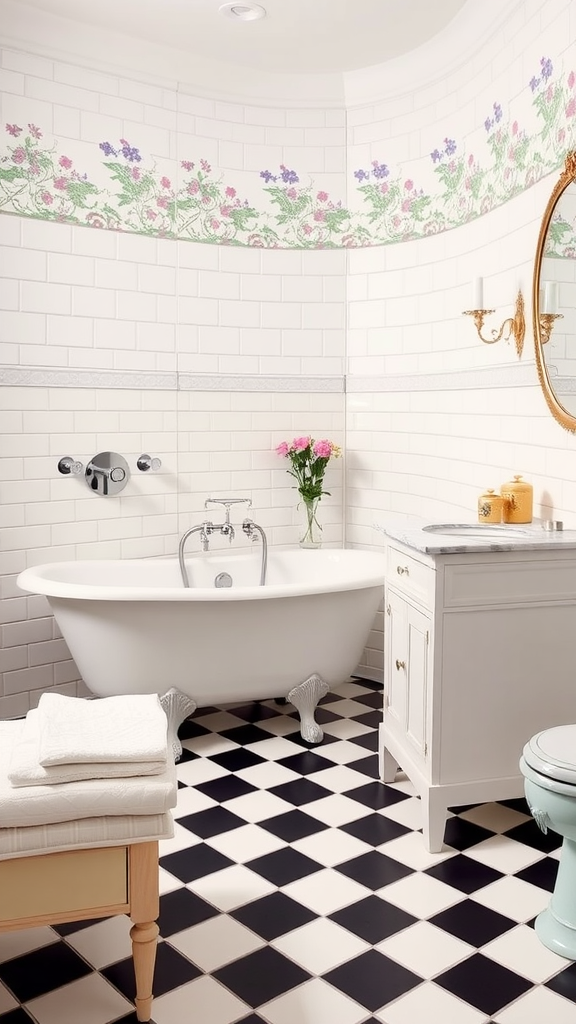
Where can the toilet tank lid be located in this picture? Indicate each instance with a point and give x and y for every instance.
(553, 753)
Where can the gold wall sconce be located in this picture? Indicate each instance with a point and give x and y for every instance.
(548, 310)
(514, 326)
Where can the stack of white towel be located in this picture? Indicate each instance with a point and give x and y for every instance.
(73, 758)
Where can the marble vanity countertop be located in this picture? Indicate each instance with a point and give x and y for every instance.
(526, 537)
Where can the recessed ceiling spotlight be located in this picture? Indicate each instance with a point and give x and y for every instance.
(242, 12)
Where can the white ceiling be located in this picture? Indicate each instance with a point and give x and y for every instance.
(296, 36)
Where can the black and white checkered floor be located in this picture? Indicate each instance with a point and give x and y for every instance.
(297, 890)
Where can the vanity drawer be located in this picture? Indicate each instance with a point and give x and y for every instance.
(508, 582)
(405, 572)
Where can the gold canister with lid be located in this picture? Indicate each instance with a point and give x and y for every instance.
(490, 507)
(518, 500)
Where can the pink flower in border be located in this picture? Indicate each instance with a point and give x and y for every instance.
(193, 188)
(162, 202)
(34, 169)
(300, 443)
(409, 185)
(35, 131)
(165, 182)
(571, 80)
(291, 193)
(188, 165)
(319, 215)
(224, 211)
(61, 183)
(571, 108)
(214, 224)
(14, 130)
(283, 448)
(47, 198)
(19, 155)
(135, 172)
(205, 166)
(322, 197)
(65, 162)
(470, 160)
(322, 449)
(230, 192)
(307, 229)
(384, 188)
(515, 128)
(151, 215)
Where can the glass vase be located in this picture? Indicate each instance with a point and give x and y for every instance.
(311, 536)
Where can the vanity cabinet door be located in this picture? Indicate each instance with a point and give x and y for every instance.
(406, 667)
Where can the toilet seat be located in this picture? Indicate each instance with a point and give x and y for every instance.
(552, 753)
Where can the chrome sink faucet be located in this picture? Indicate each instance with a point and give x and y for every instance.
(225, 529)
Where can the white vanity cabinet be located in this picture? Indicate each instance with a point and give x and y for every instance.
(480, 654)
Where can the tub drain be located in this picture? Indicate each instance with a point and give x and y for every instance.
(223, 579)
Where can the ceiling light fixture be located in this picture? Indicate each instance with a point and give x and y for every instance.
(242, 11)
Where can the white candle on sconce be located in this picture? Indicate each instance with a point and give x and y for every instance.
(550, 297)
(477, 293)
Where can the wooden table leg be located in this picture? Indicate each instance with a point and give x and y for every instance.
(144, 909)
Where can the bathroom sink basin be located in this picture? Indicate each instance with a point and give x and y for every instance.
(475, 530)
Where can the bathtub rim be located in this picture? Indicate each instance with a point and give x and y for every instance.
(36, 580)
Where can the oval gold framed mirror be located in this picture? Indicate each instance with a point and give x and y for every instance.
(554, 298)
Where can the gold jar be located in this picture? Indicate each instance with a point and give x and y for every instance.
(490, 507)
(518, 500)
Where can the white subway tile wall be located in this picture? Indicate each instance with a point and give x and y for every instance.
(208, 355)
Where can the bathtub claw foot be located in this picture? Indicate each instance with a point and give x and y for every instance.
(305, 697)
(177, 707)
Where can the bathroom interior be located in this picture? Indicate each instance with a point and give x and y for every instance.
(220, 233)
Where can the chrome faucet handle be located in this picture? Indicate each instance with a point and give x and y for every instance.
(227, 502)
(146, 462)
(68, 465)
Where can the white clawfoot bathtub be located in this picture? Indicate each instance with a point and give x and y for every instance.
(132, 627)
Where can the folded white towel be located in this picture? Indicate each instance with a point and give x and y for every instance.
(92, 798)
(73, 730)
(25, 770)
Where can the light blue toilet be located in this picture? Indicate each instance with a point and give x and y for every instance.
(548, 764)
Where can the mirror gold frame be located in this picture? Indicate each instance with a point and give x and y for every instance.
(543, 322)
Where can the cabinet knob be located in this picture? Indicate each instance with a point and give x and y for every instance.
(388, 610)
(400, 664)
(402, 570)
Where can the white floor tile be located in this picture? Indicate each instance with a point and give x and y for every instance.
(406, 812)
(326, 891)
(91, 999)
(347, 707)
(181, 840)
(421, 895)
(23, 941)
(192, 773)
(504, 854)
(410, 850)
(245, 843)
(513, 897)
(344, 752)
(425, 949)
(346, 728)
(315, 1002)
(210, 744)
(521, 951)
(203, 1000)
(218, 721)
(275, 748)
(281, 726)
(351, 689)
(267, 775)
(320, 945)
(429, 1004)
(258, 806)
(168, 882)
(337, 809)
(340, 778)
(104, 943)
(7, 1001)
(232, 887)
(330, 847)
(496, 817)
(190, 801)
(216, 942)
(538, 1006)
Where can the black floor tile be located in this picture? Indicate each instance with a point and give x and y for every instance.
(227, 787)
(235, 760)
(293, 825)
(257, 712)
(261, 976)
(374, 870)
(245, 734)
(306, 763)
(472, 922)
(37, 972)
(375, 829)
(75, 926)
(171, 970)
(483, 983)
(371, 719)
(368, 740)
(372, 979)
(211, 822)
(191, 728)
(376, 794)
(300, 791)
(367, 766)
(464, 873)
(181, 909)
(462, 834)
(273, 915)
(529, 834)
(283, 866)
(372, 919)
(543, 873)
(565, 984)
(372, 700)
(194, 862)
(19, 1016)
